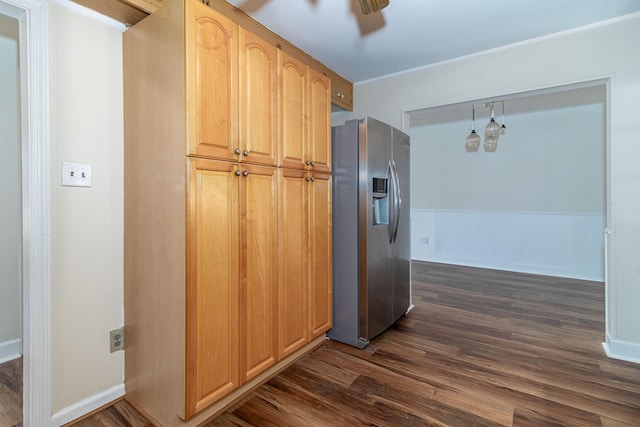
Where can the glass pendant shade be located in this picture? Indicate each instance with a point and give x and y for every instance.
(473, 142)
(490, 143)
(492, 129)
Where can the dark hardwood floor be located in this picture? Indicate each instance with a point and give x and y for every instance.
(480, 348)
(11, 393)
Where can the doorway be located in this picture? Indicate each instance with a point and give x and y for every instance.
(33, 19)
(10, 225)
(539, 204)
(593, 96)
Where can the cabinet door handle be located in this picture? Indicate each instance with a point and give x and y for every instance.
(308, 163)
(245, 152)
(313, 178)
(237, 173)
(237, 150)
(245, 173)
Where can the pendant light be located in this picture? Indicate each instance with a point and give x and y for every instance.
(473, 140)
(503, 128)
(491, 134)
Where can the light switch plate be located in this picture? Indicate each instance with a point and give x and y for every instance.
(76, 174)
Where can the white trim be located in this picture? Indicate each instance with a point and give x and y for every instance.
(36, 251)
(87, 405)
(474, 211)
(10, 350)
(622, 350)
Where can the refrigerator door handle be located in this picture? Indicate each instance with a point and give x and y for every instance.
(391, 206)
(396, 200)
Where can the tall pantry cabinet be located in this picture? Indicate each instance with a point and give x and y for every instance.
(227, 257)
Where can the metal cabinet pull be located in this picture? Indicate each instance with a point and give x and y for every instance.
(237, 150)
(245, 152)
(237, 172)
(245, 173)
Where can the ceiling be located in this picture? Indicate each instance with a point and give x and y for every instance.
(414, 33)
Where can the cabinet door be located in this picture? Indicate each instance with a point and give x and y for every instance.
(258, 100)
(212, 283)
(212, 83)
(293, 91)
(320, 268)
(293, 293)
(319, 121)
(259, 269)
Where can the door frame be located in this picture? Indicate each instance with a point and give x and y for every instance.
(608, 256)
(33, 18)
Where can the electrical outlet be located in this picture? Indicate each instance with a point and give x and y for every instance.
(116, 339)
(424, 240)
(76, 174)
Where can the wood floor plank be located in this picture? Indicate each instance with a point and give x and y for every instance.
(480, 348)
(11, 393)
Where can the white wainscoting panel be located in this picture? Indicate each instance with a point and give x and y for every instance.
(553, 244)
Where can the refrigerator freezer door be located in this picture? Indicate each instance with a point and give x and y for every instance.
(346, 318)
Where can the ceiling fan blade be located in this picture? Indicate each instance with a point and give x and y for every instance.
(371, 6)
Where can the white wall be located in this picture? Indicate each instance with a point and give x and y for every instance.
(597, 52)
(10, 202)
(86, 223)
(547, 161)
(536, 205)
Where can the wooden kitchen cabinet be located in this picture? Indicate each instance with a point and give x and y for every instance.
(205, 224)
(211, 43)
(293, 283)
(295, 92)
(319, 121)
(233, 270)
(320, 253)
(213, 287)
(306, 109)
(305, 284)
(232, 82)
(258, 138)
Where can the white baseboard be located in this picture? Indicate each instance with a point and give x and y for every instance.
(87, 405)
(622, 350)
(10, 350)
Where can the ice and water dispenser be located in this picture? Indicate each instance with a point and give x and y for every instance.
(380, 201)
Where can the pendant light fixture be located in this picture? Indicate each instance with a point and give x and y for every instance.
(503, 128)
(491, 134)
(492, 131)
(473, 140)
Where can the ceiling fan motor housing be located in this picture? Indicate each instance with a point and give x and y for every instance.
(371, 6)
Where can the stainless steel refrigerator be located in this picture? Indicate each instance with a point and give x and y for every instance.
(371, 229)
